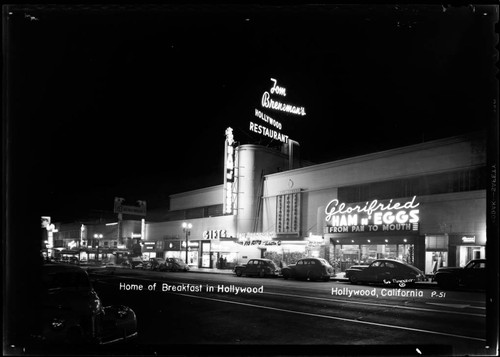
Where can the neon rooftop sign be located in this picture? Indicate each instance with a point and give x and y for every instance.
(269, 103)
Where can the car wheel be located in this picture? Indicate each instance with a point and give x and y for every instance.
(286, 275)
(326, 278)
(262, 274)
(238, 272)
(353, 279)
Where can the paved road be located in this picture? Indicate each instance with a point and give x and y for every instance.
(183, 309)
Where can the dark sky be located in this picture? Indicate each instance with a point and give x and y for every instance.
(133, 101)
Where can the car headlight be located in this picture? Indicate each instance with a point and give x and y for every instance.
(57, 324)
(122, 311)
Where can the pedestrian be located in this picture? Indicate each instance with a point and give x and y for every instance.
(224, 262)
(221, 262)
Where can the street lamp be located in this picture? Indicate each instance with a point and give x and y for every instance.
(186, 227)
(97, 236)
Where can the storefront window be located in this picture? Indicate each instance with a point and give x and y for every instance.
(435, 260)
(345, 255)
(436, 253)
(467, 253)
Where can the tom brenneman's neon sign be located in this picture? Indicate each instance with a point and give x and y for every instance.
(268, 103)
(372, 216)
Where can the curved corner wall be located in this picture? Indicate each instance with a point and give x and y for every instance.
(254, 162)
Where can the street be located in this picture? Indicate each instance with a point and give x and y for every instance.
(199, 309)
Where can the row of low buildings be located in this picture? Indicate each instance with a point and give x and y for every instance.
(424, 204)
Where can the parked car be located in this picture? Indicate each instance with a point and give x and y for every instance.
(258, 267)
(173, 264)
(136, 263)
(473, 275)
(309, 268)
(154, 264)
(71, 312)
(385, 271)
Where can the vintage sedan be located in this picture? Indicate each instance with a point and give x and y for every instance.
(473, 275)
(309, 269)
(173, 264)
(258, 267)
(385, 271)
(72, 313)
(154, 264)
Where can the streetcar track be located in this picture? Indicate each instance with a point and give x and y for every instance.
(334, 317)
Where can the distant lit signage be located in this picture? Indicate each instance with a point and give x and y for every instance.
(46, 222)
(272, 127)
(136, 235)
(469, 239)
(150, 245)
(215, 234)
(50, 230)
(373, 216)
(229, 175)
(120, 208)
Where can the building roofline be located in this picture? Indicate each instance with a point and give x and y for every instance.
(199, 190)
(384, 153)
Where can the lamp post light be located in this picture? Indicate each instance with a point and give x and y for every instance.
(186, 227)
(97, 236)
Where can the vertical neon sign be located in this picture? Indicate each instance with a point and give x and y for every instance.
(229, 166)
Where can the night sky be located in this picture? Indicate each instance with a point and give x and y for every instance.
(134, 101)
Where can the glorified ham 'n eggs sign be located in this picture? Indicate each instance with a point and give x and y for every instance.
(372, 216)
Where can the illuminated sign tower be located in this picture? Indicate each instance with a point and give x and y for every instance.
(230, 182)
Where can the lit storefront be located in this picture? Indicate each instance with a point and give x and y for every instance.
(430, 214)
(361, 233)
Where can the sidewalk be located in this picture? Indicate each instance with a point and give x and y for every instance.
(211, 270)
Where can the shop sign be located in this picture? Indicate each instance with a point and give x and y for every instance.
(373, 216)
(215, 234)
(314, 241)
(150, 245)
(264, 243)
(139, 210)
(257, 235)
(175, 245)
(469, 239)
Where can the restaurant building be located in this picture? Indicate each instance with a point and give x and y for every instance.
(424, 204)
